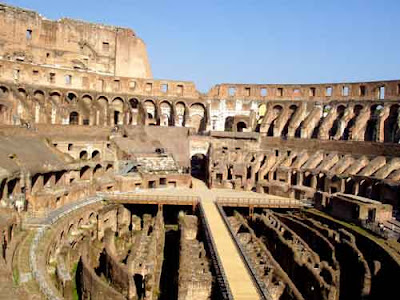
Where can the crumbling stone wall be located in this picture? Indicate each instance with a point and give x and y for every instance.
(195, 279)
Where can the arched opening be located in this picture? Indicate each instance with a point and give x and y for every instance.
(372, 124)
(97, 171)
(240, 126)
(55, 97)
(118, 106)
(198, 117)
(198, 164)
(87, 100)
(391, 125)
(71, 97)
(229, 124)
(140, 286)
(84, 173)
(347, 131)
(292, 111)
(339, 114)
(3, 92)
(150, 110)
(180, 110)
(134, 103)
(276, 112)
(165, 114)
(22, 93)
(96, 155)
(83, 155)
(262, 109)
(74, 118)
(102, 101)
(39, 96)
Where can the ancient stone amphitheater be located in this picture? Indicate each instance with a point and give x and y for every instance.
(115, 185)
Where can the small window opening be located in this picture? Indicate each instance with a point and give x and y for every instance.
(247, 91)
(149, 87)
(106, 46)
(164, 88)
(117, 84)
(328, 91)
(68, 79)
(263, 92)
(312, 92)
(381, 92)
(29, 34)
(232, 91)
(132, 85)
(70, 147)
(52, 77)
(279, 92)
(345, 91)
(180, 89)
(363, 90)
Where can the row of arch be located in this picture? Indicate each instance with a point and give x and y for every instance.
(102, 110)
(377, 121)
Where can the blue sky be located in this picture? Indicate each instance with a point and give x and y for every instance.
(280, 41)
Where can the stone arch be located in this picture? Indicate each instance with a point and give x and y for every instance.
(74, 118)
(84, 173)
(165, 113)
(150, 110)
(391, 125)
(96, 155)
(71, 97)
(340, 110)
(276, 112)
(97, 170)
(39, 96)
(198, 116)
(292, 111)
(371, 129)
(240, 126)
(22, 93)
(4, 91)
(181, 111)
(262, 110)
(198, 164)
(83, 155)
(87, 100)
(55, 97)
(118, 108)
(102, 101)
(356, 112)
(134, 103)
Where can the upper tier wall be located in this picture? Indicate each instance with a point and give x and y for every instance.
(27, 36)
(54, 78)
(376, 90)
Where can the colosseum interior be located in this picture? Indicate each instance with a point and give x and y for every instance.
(115, 185)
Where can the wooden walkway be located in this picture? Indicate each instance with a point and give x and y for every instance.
(239, 279)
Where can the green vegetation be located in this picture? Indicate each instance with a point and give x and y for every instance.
(75, 295)
(16, 276)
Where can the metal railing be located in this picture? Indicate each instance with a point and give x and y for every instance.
(142, 198)
(262, 202)
(261, 289)
(222, 281)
